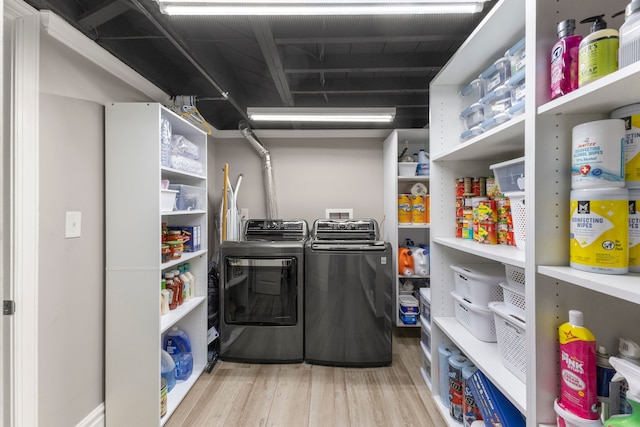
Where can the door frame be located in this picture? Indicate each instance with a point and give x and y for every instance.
(23, 257)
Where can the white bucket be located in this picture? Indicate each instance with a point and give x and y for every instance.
(598, 154)
(631, 116)
(599, 230)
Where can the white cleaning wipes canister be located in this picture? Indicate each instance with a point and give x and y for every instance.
(598, 154)
(631, 116)
(634, 230)
(599, 236)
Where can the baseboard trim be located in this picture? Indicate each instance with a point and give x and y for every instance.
(94, 419)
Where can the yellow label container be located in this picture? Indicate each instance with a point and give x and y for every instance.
(599, 238)
(634, 230)
(418, 209)
(404, 209)
(631, 116)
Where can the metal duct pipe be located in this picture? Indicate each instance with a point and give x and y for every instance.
(267, 168)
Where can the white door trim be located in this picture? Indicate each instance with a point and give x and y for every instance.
(24, 215)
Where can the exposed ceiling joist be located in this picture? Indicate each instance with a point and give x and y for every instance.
(370, 39)
(104, 12)
(299, 63)
(269, 49)
(362, 85)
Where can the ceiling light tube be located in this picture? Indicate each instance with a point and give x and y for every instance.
(324, 3)
(303, 114)
(180, 8)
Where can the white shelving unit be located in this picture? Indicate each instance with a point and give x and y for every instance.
(393, 185)
(543, 135)
(134, 326)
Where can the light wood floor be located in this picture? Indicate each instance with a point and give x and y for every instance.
(299, 395)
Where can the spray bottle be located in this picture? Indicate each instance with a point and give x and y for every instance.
(631, 372)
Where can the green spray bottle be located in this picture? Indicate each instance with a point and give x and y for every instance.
(631, 372)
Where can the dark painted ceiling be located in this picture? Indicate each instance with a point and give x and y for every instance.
(361, 61)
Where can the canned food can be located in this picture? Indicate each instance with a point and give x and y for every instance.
(502, 232)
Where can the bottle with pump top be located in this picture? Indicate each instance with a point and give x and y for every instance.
(598, 52)
(564, 60)
(629, 51)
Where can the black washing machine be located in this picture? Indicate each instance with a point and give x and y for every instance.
(262, 291)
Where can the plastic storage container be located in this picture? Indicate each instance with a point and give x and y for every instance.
(496, 74)
(177, 344)
(189, 198)
(472, 93)
(407, 168)
(516, 109)
(511, 332)
(409, 305)
(479, 283)
(425, 303)
(425, 332)
(518, 216)
(517, 56)
(168, 200)
(477, 320)
(472, 116)
(513, 290)
(496, 102)
(471, 133)
(510, 175)
(494, 121)
(517, 87)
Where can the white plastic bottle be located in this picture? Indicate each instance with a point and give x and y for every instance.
(192, 280)
(187, 283)
(423, 163)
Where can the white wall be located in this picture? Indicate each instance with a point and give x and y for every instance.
(71, 289)
(311, 174)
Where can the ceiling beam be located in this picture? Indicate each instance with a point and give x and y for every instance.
(371, 39)
(103, 12)
(362, 85)
(364, 100)
(351, 63)
(269, 49)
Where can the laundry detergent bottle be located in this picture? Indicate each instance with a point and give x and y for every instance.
(578, 385)
(177, 344)
(564, 60)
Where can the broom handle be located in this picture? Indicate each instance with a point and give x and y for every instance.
(224, 202)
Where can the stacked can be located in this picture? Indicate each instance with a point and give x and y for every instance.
(467, 189)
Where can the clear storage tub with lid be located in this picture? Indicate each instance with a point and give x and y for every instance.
(472, 116)
(517, 56)
(496, 74)
(510, 175)
(496, 102)
(471, 133)
(517, 86)
(472, 93)
(494, 121)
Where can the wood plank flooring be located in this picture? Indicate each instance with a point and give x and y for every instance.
(299, 395)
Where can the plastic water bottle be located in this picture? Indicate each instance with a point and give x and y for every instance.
(423, 163)
(168, 369)
(177, 344)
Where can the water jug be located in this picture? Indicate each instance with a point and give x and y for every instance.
(421, 260)
(177, 344)
(167, 369)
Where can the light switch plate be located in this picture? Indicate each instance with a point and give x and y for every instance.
(72, 225)
(244, 213)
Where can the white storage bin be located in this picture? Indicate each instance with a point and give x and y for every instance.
(190, 198)
(168, 200)
(425, 332)
(515, 276)
(477, 320)
(496, 74)
(472, 93)
(479, 283)
(518, 218)
(510, 175)
(511, 331)
(517, 56)
(407, 168)
(425, 303)
(496, 102)
(514, 298)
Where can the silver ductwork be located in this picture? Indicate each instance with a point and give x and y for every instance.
(267, 169)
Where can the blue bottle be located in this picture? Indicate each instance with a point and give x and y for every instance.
(168, 369)
(177, 344)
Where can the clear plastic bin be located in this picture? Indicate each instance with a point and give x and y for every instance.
(471, 133)
(494, 121)
(472, 93)
(189, 198)
(496, 102)
(516, 109)
(517, 56)
(510, 175)
(517, 87)
(472, 116)
(496, 74)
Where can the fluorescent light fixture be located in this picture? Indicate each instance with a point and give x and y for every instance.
(293, 8)
(309, 114)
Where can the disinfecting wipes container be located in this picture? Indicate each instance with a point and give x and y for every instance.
(599, 237)
(598, 154)
(634, 230)
(631, 116)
